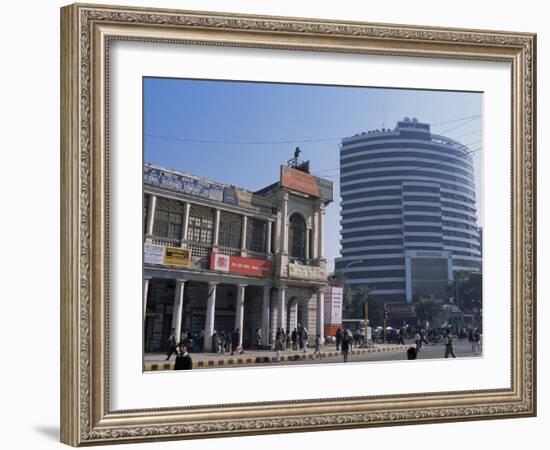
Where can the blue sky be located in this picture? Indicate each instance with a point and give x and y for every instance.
(253, 128)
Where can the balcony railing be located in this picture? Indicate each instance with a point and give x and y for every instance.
(166, 241)
(229, 251)
(303, 261)
(256, 255)
(200, 254)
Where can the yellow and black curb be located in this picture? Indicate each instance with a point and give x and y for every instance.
(235, 361)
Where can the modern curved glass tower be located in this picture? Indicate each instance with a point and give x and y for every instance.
(408, 212)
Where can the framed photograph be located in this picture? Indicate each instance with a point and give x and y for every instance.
(278, 224)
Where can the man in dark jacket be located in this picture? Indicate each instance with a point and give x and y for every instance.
(345, 345)
(183, 359)
(171, 344)
(338, 338)
(235, 337)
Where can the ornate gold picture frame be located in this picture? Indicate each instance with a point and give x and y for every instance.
(87, 32)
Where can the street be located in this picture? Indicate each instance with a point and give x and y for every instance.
(462, 349)
(380, 352)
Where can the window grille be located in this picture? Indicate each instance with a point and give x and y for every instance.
(168, 219)
(297, 236)
(230, 230)
(256, 232)
(145, 212)
(201, 224)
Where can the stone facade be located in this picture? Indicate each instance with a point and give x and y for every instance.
(255, 260)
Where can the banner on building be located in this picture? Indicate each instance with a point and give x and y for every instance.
(183, 183)
(334, 302)
(326, 189)
(238, 264)
(247, 199)
(305, 272)
(153, 254)
(176, 256)
(299, 181)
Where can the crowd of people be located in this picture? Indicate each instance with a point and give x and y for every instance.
(298, 340)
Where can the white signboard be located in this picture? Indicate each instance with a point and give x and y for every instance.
(153, 254)
(337, 303)
(333, 305)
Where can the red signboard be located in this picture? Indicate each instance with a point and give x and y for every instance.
(237, 264)
(299, 181)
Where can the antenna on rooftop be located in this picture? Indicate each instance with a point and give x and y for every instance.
(383, 116)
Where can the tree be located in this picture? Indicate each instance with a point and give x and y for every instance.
(467, 287)
(354, 302)
(376, 312)
(429, 310)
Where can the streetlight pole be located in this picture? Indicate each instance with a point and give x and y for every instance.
(348, 265)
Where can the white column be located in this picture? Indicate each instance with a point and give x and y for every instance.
(243, 235)
(284, 225)
(307, 243)
(293, 316)
(177, 309)
(321, 243)
(265, 316)
(146, 281)
(268, 238)
(210, 315)
(239, 311)
(185, 225)
(216, 229)
(315, 233)
(151, 214)
(321, 314)
(281, 307)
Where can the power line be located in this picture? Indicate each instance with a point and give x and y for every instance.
(207, 141)
(458, 126)
(455, 120)
(286, 141)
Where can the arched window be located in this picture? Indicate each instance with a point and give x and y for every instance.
(297, 236)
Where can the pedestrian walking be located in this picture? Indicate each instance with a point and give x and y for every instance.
(171, 344)
(222, 343)
(418, 340)
(345, 345)
(235, 338)
(401, 336)
(317, 352)
(448, 340)
(300, 337)
(305, 338)
(183, 337)
(201, 340)
(183, 359)
(338, 338)
(476, 341)
(294, 339)
(215, 342)
(278, 344)
(258, 338)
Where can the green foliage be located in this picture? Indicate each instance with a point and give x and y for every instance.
(376, 312)
(354, 302)
(468, 289)
(429, 310)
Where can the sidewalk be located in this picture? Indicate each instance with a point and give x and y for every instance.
(155, 361)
